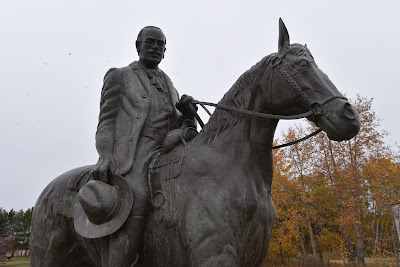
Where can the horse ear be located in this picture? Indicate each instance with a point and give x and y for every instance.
(284, 40)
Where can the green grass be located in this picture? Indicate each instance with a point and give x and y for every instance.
(17, 262)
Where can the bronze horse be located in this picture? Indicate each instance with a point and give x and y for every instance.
(211, 198)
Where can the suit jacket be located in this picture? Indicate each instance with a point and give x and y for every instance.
(124, 106)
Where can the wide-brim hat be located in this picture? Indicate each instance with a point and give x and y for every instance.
(102, 207)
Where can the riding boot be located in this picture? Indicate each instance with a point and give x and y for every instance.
(124, 244)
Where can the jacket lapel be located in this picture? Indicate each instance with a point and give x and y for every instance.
(139, 71)
(171, 89)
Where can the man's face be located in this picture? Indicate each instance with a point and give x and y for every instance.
(151, 49)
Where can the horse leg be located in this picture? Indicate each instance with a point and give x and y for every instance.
(58, 245)
(227, 258)
(56, 251)
(208, 235)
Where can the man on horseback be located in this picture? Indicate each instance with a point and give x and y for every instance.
(212, 206)
(139, 106)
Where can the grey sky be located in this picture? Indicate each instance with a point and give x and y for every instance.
(54, 55)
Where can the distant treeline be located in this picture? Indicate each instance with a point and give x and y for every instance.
(15, 230)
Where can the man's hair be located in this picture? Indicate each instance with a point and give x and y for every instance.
(139, 37)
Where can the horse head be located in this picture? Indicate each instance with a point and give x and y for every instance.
(298, 85)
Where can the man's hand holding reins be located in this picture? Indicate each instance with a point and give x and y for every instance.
(183, 106)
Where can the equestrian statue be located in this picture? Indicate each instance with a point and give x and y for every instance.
(166, 195)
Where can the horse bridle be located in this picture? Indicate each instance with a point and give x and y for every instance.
(311, 103)
(294, 86)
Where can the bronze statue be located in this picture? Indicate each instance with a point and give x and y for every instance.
(210, 197)
(137, 110)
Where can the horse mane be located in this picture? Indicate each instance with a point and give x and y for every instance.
(240, 95)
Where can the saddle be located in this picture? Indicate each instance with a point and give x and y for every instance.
(164, 167)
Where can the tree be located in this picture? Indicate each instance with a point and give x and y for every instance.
(337, 193)
(15, 229)
(22, 229)
(3, 222)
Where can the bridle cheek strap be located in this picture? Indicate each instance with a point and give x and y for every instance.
(297, 89)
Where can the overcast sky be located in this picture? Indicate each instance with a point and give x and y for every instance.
(54, 54)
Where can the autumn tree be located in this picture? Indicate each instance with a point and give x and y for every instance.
(332, 192)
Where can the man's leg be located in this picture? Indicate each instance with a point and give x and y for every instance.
(105, 252)
(124, 244)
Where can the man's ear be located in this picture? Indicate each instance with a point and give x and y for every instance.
(137, 46)
(165, 49)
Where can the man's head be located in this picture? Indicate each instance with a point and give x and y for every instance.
(150, 45)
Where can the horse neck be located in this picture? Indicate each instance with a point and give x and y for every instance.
(250, 92)
(249, 131)
(248, 137)
(248, 145)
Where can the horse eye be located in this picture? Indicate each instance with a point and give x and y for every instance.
(303, 65)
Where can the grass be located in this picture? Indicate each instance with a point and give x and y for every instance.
(369, 262)
(17, 262)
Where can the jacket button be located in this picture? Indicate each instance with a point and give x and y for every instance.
(144, 96)
(139, 116)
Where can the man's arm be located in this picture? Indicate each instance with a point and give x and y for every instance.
(183, 106)
(105, 135)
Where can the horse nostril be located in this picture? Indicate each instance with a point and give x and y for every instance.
(348, 112)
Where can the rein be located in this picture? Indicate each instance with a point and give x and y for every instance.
(257, 114)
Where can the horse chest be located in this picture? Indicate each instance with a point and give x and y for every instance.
(245, 201)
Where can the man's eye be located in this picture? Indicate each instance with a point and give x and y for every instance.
(160, 43)
(147, 41)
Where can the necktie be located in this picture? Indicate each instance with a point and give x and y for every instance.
(151, 73)
(156, 78)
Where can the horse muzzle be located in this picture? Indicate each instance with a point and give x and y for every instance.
(338, 119)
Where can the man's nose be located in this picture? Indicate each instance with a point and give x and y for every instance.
(154, 45)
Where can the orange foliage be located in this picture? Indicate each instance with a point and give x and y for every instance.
(334, 197)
